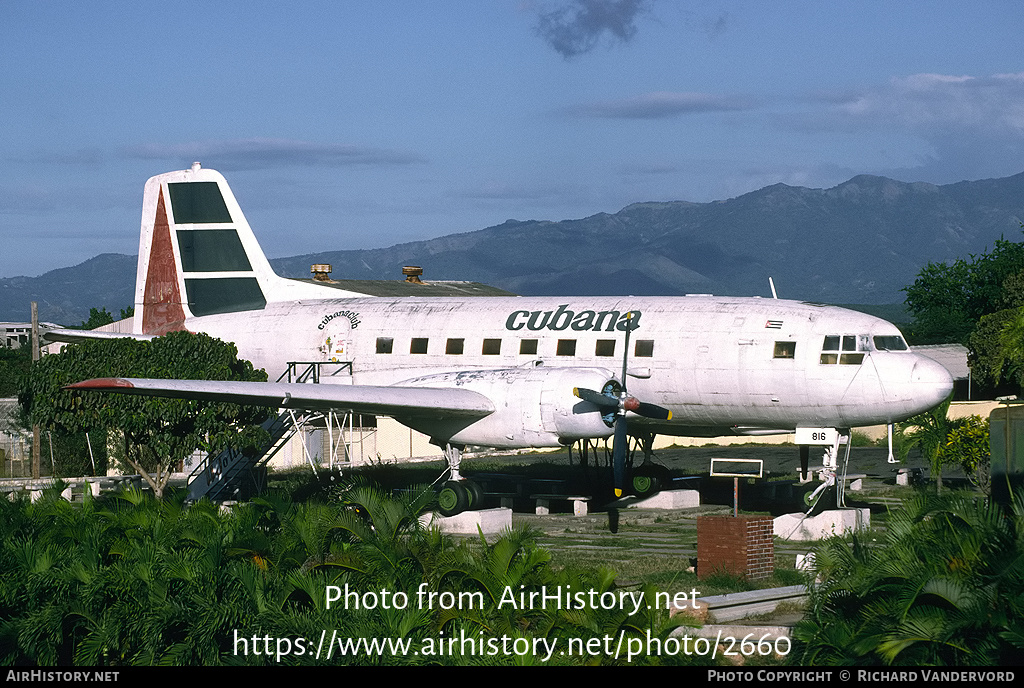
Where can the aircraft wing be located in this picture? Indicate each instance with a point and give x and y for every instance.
(384, 401)
(77, 336)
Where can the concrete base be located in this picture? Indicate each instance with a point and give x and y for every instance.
(739, 605)
(670, 499)
(805, 562)
(489, 521)
(768, 633)
(543, 507)
(825, 524)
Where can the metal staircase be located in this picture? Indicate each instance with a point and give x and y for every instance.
(231, 474)
(223, 476)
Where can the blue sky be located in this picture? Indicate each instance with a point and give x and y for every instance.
(365, 124)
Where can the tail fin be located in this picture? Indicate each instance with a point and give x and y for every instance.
(198, 255)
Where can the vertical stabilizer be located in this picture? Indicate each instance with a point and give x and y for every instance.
(199, 257)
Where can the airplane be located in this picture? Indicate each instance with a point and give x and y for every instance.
(510, 372)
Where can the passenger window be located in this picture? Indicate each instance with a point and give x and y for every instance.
(605, 347)
(454, 346)
(528, 347)
(418, 345)
(644, 348)
(785, 350)
(385, 344)
(566, 347)
(492, 347)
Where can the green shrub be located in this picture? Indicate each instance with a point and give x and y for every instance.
(946, 587)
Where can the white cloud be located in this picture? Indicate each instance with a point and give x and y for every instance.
(965, 127)
(939, 101)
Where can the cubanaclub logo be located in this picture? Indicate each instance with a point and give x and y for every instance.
(564, 319)
(353, 318)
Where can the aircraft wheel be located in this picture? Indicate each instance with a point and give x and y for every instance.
(476, 494)
(826, 499)
(453, 498)
(646, 482)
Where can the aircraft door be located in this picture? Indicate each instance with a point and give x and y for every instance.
(719, 361)
(337, 347)
(335, 339)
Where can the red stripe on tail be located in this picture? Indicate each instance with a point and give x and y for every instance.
(162, 311)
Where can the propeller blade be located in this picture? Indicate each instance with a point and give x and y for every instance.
(625, 349)
(596, 398)
(619, 455)
(653, 411)
(646, 410)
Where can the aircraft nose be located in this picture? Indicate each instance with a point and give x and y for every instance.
(931, 382)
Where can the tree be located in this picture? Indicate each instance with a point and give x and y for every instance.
(98, 317)
(985, 354)
(158, 434)
(968, 446)
(949, 300)
(77, 454)
(929, 432)
(14, 367)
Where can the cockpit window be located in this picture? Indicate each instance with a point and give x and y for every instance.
(846, 349)
(892, 342)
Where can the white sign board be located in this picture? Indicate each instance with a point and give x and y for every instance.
(826, 436)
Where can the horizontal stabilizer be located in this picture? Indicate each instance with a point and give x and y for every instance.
(400, 402)
(77, 336)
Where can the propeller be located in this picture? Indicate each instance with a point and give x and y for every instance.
(615, 402)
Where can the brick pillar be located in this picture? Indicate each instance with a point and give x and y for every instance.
(742, 546)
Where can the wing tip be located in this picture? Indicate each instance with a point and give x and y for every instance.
(102, 383)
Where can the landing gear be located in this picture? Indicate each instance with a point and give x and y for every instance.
(458, 495)
(453, 498)
(831, 490)
(476, 494)
(646, 481)
(649, 478)
(821, 498)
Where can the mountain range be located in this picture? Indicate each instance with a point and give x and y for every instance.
(859, 242)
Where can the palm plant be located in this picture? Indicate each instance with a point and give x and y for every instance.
(510, 563)
(945, 588)
(929, 432)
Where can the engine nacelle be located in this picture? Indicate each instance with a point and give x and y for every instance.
(534, 407)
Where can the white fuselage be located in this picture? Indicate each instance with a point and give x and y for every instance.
(721, 365)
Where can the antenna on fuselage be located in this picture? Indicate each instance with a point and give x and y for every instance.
(771, 283)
